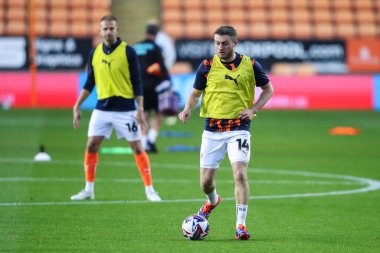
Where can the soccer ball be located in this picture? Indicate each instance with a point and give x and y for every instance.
(195, 227)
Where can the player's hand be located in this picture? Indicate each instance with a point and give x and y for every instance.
(76, 117)
(247, 114)
(141, 119)
(184, 116)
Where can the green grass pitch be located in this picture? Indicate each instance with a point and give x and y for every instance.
(311, 191)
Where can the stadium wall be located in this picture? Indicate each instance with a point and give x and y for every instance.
(321, 92)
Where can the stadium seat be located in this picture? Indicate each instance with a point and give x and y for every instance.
(365, 16)
(324, 31)
(41, 28)
(170, 4)
(259, 30)
(300, 16)
(322, 16)
(97, 14)
(16, 13)
(363, 5)
(257, 16)
(236, 16)
(60, 4)
(279, 15)
(320, 4)
(234, 5)
(79, 15)
(302, 30)
(17, 4)
(195, 30)
(215, 17)
(340, 5)
(254, 5)
(79, 4)
(368, 30)
(277, 4)
(16, 27)
(40, 3)
(172, 15)
(299, 4)
(59, 29)
(343, 17)
(346, 30)
(80, 29)
(176, 30)
(192, 4)
(193, 16)
(59, 15)
(280, 30)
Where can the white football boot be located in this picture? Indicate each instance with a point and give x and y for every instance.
(82, 195)
(152, 196)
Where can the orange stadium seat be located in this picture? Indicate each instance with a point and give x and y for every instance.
(320, 4)
(279, 15)
(16, 3)
(254, 5)
(242, 30)
(16, 27)
(170, 4)
(277, 4)
(363, 4)
(259, 30)
(193, 16)
(346, 30)
(176, 30)
(80, 29)
(322, 16)
(59, 3)
(192, 4)
(368, 30)
(236, 16)
(16, 13)
(344, 16)
(79, 3)
(300, 16)
(196, 30)
(365, 16)
(235, 4)
(302, 30)
(79, 14)
(212, 5)
(97, 14)
(41, 28)
(341, 5)
(280, 30)
(215, 17)
(259, 15)
(59, 29)
(324, 31)
(59, 14)
(40, 3)
(100, 4)
(172, 15)
(299, 4)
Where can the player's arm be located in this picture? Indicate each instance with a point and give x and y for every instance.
(191, 102)
(135, 71)
(265, 84)
(85, 92)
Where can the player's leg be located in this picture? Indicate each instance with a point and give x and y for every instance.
(239, 154)
(155, 124)
(126, 127)
(153, 132)
(99, 128)
(213, 149)
(144, 133)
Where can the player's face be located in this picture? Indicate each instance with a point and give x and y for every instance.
(108, 31)
(225, 47)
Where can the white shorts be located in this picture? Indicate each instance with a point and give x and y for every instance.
(126, 126)
(215, 145)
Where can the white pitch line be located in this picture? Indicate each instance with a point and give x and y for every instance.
(372, 186)
(175, 181)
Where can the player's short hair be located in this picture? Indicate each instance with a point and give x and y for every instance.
(227, 30)
(152, 29)
(108, 18)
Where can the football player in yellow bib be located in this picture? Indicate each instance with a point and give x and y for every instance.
(114, 69)
(227, 82)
